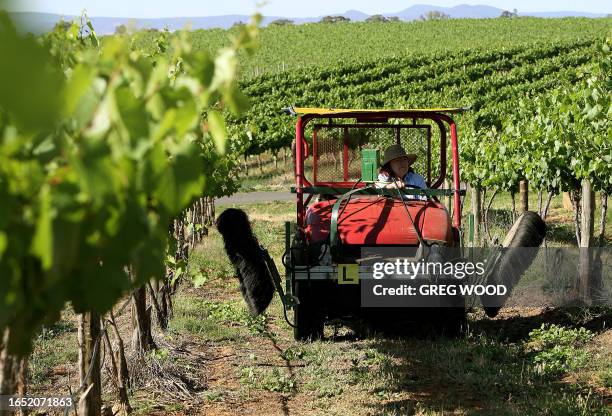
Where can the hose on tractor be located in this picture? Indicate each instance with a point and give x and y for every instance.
(291, 324)
(349, 198)
(422, 242)
(287, 260)
(285, 299)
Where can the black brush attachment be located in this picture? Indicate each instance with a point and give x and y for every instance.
(247, 256)
(528, 230)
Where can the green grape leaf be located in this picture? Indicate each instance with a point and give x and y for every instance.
(218, 131)
(132, 113)
(3, 243)
(42, 243)
(183, 181)
(78, 85)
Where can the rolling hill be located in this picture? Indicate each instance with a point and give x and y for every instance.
(42, 22)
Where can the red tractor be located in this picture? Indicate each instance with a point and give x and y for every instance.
(340, 211)
(343, 215)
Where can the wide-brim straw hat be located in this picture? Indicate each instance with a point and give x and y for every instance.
(395, 152)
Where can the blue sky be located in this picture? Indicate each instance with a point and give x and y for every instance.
(174, 8)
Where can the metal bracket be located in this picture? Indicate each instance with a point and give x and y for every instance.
(288, 301)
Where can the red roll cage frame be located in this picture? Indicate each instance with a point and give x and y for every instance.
(438, 116)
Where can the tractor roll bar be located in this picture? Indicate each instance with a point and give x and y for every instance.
(440, 119)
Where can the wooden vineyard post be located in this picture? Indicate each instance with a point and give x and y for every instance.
(471, 230)
(587, 220)
(476, 210)
(13, 370)
(587, 215)
(603, 209)
(524, 194)
(90, 402)
(142, 340)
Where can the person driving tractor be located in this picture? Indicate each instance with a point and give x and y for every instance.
(397, 170)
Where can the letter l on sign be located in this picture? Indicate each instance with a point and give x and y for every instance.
(348, 274)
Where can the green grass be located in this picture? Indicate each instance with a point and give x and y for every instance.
(209, 259)
(55, 346)
(270, 379)
(606, 377)
(214, 396)
(191, 317)
(214, 320)
(474, 375)
(145, 406)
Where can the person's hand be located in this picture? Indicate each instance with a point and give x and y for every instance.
(396, 184)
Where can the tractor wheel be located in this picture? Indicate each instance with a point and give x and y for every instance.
(452, 322)
(529, 230)
(307, 316)
(451, 316)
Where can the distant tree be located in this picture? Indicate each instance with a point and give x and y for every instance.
(281, 22)
(121, 30)
(238, 24)
(609, 15)
(435, 15)
(334, 19)
(377, 18)
(507, 15)
(394, 19)
(63, 24)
